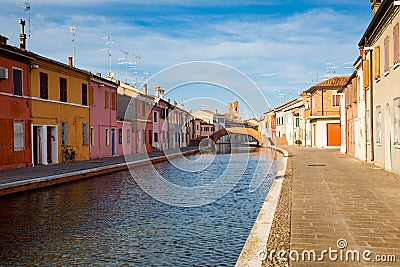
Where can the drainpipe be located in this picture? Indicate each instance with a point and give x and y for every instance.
(371, 87)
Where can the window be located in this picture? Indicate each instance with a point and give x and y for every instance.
(128, 136)
(162, 113)
(19, 136)
(113, 100)
(143, 108)
(378, 124)
(107, 137)
(106, 100)
(91, 95)
(386, 55)
(366, 73)
(84, 94)
(92, 136)
(144, 137)
(17, 81)
(368, 125)
(44, 86)
(297, 122)
(377, 62)
(150, 136)
(64, 133)
(85, 134)
(396, 107)
(63, 90)
(155, 116)
(119, 136)
(155, 137)
(335, 100)
(313, 105)
(396, 44)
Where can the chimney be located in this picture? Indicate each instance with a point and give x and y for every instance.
(169, 100)
(22, 35)
(3, 40)
(157, 91)
(98, 74)
(162, 92)
(175, 103)
(70, 62)
(375, 6)
(145, 88)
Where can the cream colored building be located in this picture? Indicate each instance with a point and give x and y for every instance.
(381, 64)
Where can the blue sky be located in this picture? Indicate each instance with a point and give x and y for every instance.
(278, 45)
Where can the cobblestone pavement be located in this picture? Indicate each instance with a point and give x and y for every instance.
(335, 196)
(338, 204)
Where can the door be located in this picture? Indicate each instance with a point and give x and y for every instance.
(113, 142)
(388, 138)
(333, 134)
(314, 137)
(49, 145)
(37, 145)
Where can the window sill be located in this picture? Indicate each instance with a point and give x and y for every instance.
(386, 73)
(379, 144)
(396, 146)
(396, 65)
(377, 80)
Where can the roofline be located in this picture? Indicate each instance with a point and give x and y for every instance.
(375, 21)
(36, 56)
(18, 51)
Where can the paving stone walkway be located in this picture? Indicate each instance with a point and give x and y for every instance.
(13, 175)
(335, 196)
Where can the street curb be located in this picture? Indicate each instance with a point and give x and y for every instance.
(34, 183)
(257, 240)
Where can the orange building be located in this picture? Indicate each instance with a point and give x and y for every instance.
(324, 119)
(15, 106)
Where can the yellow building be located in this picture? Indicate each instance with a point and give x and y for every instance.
(60, 111)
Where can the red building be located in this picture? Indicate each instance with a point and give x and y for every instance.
(15, 108)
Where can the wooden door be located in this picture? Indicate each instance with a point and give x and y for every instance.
(333, 134)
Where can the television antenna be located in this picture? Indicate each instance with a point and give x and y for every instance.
(330, 69)
(126, 62)
(27, 7)
(145, 73)
(72, 31)
(109, 53)
(281, 96)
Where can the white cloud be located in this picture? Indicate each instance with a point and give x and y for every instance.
(292, 46)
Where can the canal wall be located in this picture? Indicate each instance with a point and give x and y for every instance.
(12, 187)
(255, 248)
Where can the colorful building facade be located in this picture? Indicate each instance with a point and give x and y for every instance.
(15, 108)
(103, 118)
(60, 111)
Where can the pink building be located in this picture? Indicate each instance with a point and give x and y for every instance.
(144, 120)
(103, 118)
(124, 138)
(207, 129)
(160, 123)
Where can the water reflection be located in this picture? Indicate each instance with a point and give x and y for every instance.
(110, 220)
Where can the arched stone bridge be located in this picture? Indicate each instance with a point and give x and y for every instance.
(237, 130)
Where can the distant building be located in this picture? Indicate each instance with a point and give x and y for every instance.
(325, 113)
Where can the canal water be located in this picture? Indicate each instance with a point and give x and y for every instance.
(110, 221)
